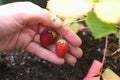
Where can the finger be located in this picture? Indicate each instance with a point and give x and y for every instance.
(75, 51)
(44, 53)
(38, 28)
(70, 59)
(34, 27)
(24, 36)
(69, 35)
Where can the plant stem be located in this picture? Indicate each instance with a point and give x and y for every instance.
(105, 50)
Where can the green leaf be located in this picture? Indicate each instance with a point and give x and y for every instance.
(72, 24)
(108, 74)
(99, 28)
(74, 27)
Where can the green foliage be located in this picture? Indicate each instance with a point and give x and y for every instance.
(72, 23)
(98, 28)
(74, 27)
(108, 74)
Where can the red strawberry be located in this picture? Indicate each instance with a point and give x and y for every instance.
(48, 36)
(61, 48)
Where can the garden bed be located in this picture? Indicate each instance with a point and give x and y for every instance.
(20, 65)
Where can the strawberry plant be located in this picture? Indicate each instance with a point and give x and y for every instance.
(101, 16)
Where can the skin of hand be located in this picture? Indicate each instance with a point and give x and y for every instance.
(21, 24)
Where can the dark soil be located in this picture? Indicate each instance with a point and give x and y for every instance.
(20, 65)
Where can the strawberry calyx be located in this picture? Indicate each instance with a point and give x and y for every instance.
(61, 41)
(54, 34)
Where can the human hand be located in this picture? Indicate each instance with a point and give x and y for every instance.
(21, 24)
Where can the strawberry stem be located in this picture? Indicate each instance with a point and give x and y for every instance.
(105, 50)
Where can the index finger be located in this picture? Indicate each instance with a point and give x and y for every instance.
(69, 35)
(65, 31)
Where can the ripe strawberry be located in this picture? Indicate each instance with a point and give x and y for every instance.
(61, 48)
(48, 36)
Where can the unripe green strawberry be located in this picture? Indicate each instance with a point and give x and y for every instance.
(61, 48)
(48, 36)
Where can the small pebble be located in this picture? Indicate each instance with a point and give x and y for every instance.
(37, 59)
(84, 33)
(12, 59)
(43, 61)
(99, 49)
(22, 63)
